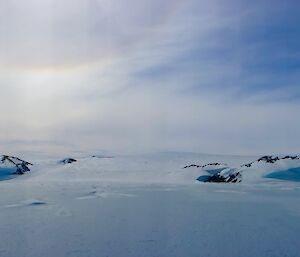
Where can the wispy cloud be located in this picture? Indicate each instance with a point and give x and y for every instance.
(136, 75)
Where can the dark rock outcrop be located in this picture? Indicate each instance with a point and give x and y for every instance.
(295, 157)
(271, 159)
(218, 174)
(214, 164)
(192, 166)
(68, 161)
(203, 166)
(21, 165)
(228, 175)
(102, 156)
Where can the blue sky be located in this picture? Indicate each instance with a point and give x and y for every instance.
(130, 76)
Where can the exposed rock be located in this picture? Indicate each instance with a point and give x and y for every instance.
(21, 165)
(192, 165)
(268, 159)
(227, 175)
(102, 156)
(295, 157)
(203, 166)
(271, 159)
(217, 173)
(214, 164)
(68, 161)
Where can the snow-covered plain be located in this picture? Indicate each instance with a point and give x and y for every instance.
(148, 205)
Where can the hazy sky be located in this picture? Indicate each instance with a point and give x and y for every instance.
(209, 76)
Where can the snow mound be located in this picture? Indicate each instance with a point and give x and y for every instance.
(271, 167)
(275, 167)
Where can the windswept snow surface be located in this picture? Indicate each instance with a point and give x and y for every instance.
(148, 205)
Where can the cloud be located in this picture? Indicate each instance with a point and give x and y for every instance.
(203, 76)
(67, 33)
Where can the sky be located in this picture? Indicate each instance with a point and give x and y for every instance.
(129, 76)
